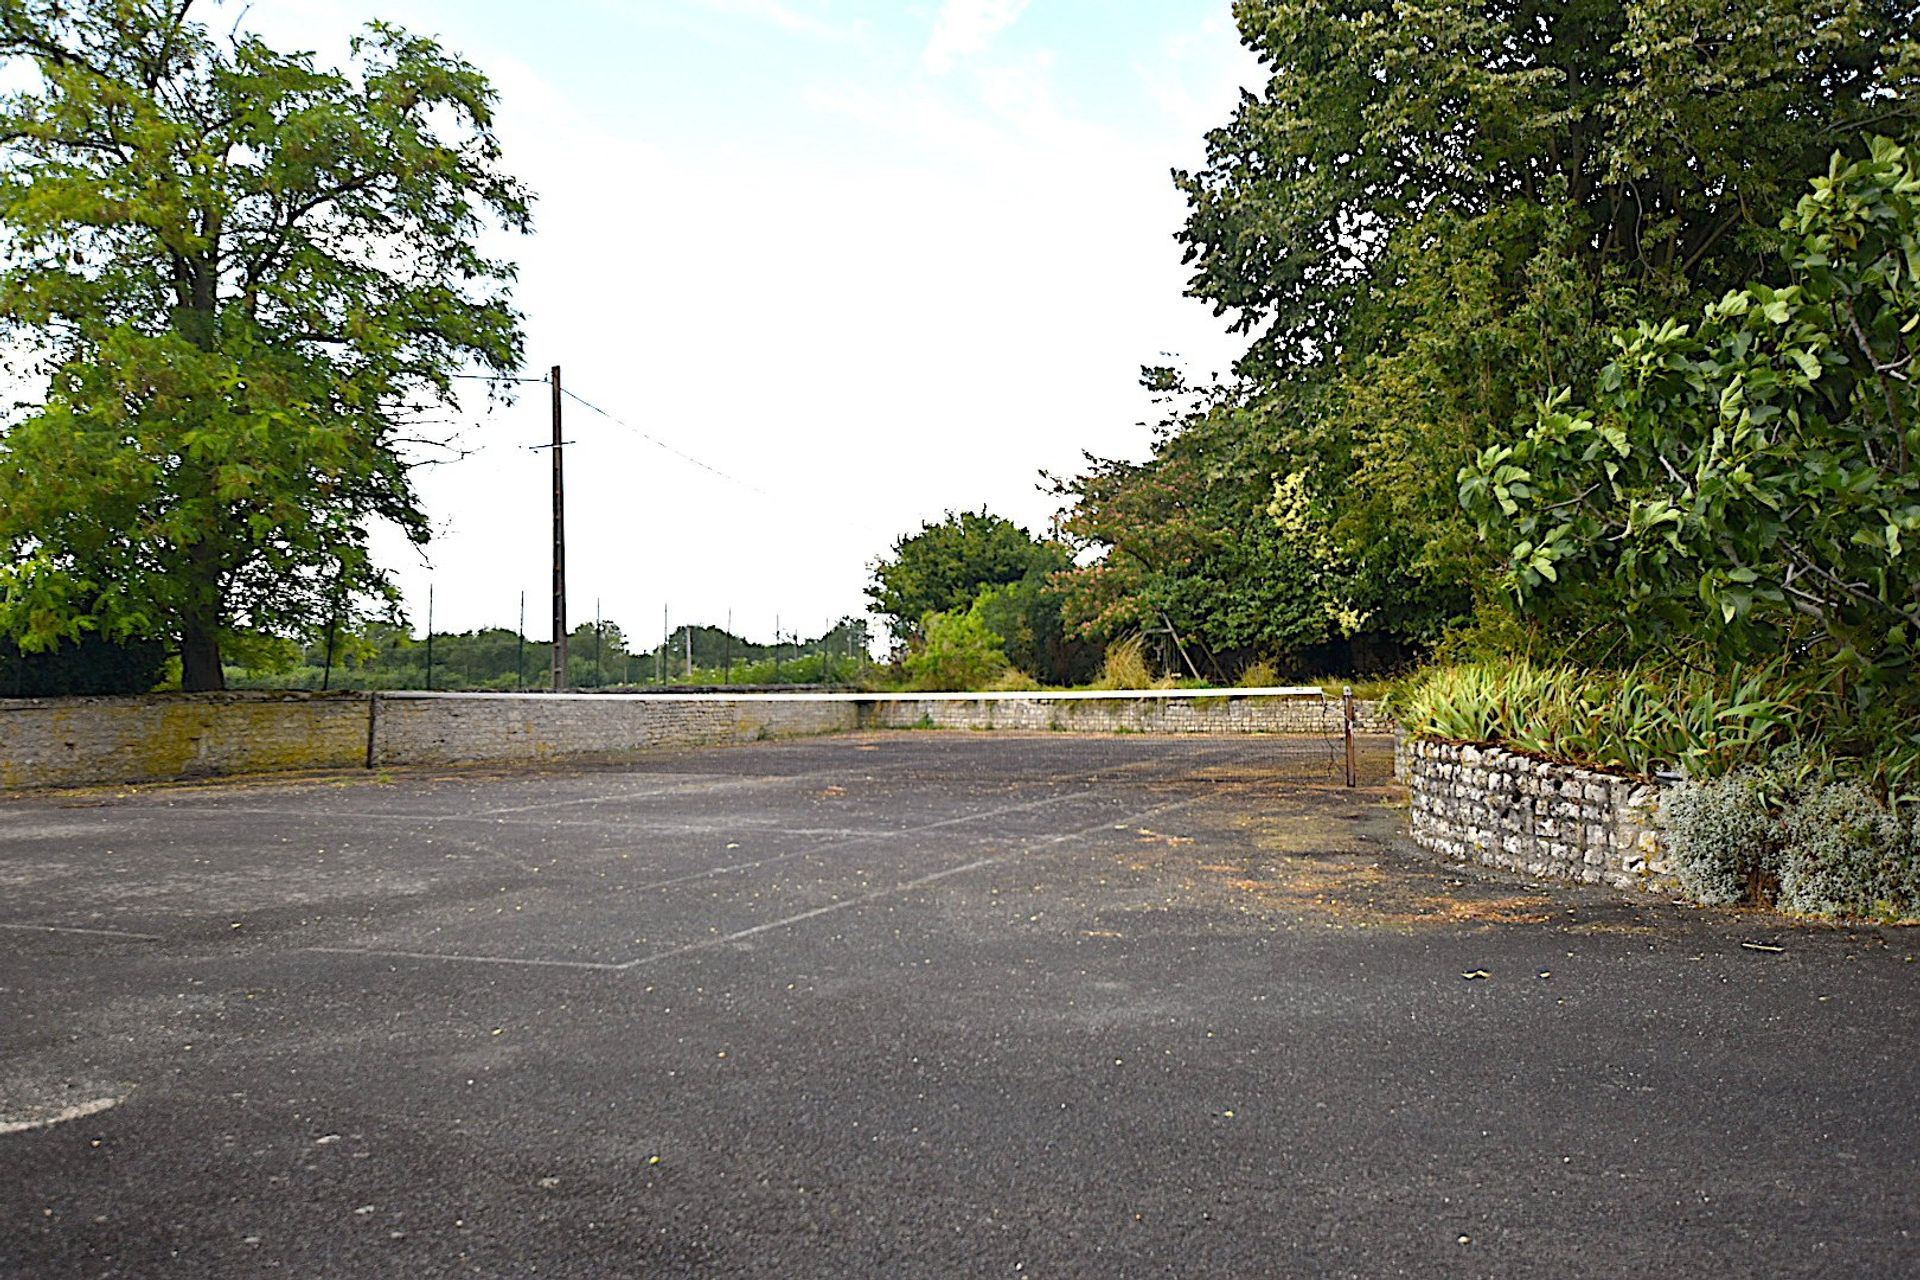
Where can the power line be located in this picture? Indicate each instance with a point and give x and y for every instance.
(492, 377)
(662, 444)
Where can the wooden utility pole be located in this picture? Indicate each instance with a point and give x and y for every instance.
(559, 548)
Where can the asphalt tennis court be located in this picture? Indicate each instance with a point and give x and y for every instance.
(917, 1004)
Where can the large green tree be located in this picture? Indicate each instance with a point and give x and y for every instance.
(246, 280)
(1210, 543)
(1431, 216)
(1668, 131)
(1743, 486)
(974, 560)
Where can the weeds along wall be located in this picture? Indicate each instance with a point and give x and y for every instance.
(87, 741)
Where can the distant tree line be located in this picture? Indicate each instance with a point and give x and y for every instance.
(599, 656)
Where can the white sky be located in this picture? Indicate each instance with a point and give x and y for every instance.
(878, 261)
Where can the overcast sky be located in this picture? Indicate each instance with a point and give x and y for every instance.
(874, 261)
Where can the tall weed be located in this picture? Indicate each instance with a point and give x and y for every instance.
(1127, 667)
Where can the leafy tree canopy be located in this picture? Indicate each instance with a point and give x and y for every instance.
(1661, 132)
(1431, 216)
(247, 280)
(943, 567)
(1203, 540)
(1744, 486)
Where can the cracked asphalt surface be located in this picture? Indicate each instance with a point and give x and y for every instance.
(919, 1004)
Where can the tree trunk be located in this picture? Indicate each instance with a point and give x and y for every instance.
(200, 669)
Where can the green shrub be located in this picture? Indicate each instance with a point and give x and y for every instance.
(1846, 855)
(1260, 675)
(955, 652)
(1639, 721)
(1720, 836)
(1126, 667)
(1807, 844)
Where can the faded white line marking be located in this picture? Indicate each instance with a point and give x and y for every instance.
(91, 933)
(460, 959)
(687, 783)
(1062, 838)
(771, 925)
(708, 943)
(697, 875)
(9, 1124)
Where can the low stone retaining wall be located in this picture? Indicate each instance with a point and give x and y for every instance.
(1158, 711)
(468, 728)
(84, 741)
(1485, 805)
(55, 742)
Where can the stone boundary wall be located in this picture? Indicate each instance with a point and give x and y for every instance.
(1547, 820)
(1193, 711)
(85, 741)
(457, 728)
(55, 742)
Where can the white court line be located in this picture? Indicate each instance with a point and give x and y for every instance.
(684, 783)
(692, 946)
(95, 933)
(79, 1112)
(689, 783)
(514, 961)
(1105, 824)
(604, 824)
(862, 837)
(771, 925)
(696, 875)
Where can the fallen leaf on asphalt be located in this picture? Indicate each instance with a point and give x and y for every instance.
(1477, 973)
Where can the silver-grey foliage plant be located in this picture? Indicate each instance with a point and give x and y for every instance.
(1720, 834)
(1830, 847)
(1846, 855)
